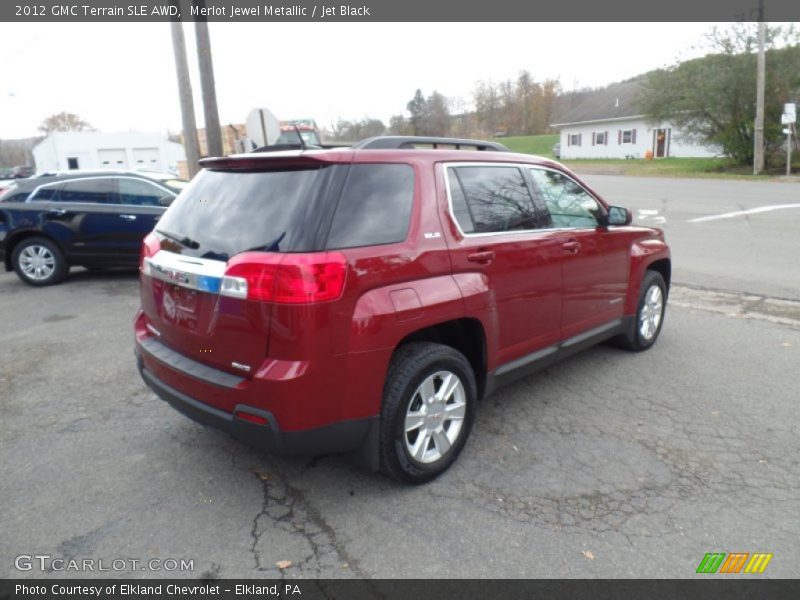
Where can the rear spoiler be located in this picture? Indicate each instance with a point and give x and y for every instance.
(276, 160)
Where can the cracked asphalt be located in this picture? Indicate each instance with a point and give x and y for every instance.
(609, 464)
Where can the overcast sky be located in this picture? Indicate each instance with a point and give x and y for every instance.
(121, 76)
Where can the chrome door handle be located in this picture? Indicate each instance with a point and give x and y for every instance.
(571, 247)
(56, 212)
(128, 217)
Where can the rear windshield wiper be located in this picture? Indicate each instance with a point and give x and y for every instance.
(273, 246)
(183, 241)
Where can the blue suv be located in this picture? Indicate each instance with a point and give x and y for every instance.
(93, 219)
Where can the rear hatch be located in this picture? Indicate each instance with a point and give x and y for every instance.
(193, 303)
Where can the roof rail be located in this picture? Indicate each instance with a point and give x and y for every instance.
(398, 142)
(283, 147)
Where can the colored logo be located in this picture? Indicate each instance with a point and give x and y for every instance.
(735, 562)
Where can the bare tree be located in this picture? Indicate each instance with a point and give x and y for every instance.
(399, 125)
(64, 121)
(353, 131)
(437, 115)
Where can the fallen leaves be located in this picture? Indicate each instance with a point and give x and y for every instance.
(262, 475)
(283, 564)
(588, 554)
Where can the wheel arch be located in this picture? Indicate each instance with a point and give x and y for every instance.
(646, 255)
(664, 267)
(17, 237)
(466, 335)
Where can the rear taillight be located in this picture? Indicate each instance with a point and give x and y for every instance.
(150, 245)
(286, 278)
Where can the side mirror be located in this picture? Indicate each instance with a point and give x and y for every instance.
(619, 216)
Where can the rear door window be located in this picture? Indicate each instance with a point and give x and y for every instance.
(140, 193)
(497, 200)
(94, 191)
(374, 207)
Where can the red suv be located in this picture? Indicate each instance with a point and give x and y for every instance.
(364, 299)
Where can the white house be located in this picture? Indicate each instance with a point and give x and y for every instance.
(66, 150)
(608, 124)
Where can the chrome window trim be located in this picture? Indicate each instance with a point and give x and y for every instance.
(452, 214)
(64, 181)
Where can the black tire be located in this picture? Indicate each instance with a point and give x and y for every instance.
(412, 364)
(633, 339)
(60, 267)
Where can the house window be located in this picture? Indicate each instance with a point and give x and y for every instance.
(600, 138)
(72, 163)
(574, 139)
(627, 136)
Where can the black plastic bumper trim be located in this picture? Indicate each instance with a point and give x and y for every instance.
(344, 436)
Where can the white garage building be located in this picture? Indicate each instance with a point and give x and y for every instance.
(68, 150)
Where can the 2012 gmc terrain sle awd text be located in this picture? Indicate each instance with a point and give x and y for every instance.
(364, 299)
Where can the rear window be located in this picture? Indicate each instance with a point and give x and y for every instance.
(13, 196)
(375, 206)
(226, 213)
(222, 213)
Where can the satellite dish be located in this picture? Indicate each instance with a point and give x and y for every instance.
(263, 128)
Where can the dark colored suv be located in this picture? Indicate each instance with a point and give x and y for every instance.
(92, 219)
(365, 299)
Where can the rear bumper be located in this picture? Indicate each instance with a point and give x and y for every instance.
(343, 436)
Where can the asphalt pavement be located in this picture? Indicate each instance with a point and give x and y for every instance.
(609, 464)
(757, 251)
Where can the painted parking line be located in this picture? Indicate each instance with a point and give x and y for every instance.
(741, 213)
(646, 213)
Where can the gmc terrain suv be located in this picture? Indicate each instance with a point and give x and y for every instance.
(364, 299)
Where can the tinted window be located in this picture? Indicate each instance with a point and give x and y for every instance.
(568, 203)
(459, 201)
(44, 194)
(15, 197)
(141, 193)
(229, 212)
(498, 200)
(97, 191)
(375, 206)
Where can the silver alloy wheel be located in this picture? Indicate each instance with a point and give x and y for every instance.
(651, 313)
(37, 262)
(435, 416)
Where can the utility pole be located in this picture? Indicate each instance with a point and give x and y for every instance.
(207, 86)
(187, 104)
(758, 150)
